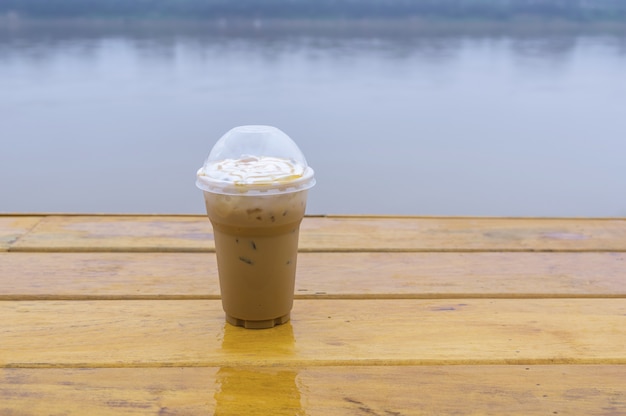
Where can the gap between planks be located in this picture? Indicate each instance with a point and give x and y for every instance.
(355, 296)
(346, 363)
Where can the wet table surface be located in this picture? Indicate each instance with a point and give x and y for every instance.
(121, 315)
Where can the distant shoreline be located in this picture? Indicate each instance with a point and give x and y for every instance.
(575, 11)
(331, 26)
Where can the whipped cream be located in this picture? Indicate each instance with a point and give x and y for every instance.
(253, 170)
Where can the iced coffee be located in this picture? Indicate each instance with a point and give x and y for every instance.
(255, 185)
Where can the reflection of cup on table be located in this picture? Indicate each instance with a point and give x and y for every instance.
(264, 389)
(255, 184)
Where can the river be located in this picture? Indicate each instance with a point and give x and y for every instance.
(117, 118)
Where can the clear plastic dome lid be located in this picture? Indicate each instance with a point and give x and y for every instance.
(255, 159)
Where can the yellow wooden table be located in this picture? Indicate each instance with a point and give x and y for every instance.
(393, 316)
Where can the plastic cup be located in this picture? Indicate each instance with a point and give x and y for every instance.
(255, 184)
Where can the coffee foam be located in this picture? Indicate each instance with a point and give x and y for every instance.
(253, 170)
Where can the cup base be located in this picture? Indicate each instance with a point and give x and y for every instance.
(267, 323)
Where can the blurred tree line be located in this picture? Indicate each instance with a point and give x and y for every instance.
(212, 9)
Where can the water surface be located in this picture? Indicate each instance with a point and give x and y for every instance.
(424, 122)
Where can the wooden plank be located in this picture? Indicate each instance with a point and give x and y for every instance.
(119, 233)
(324, 391)
(14, 227)
(100, 275)
(320, 275)
(463, 234)
(322, 332)
(193, 233)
